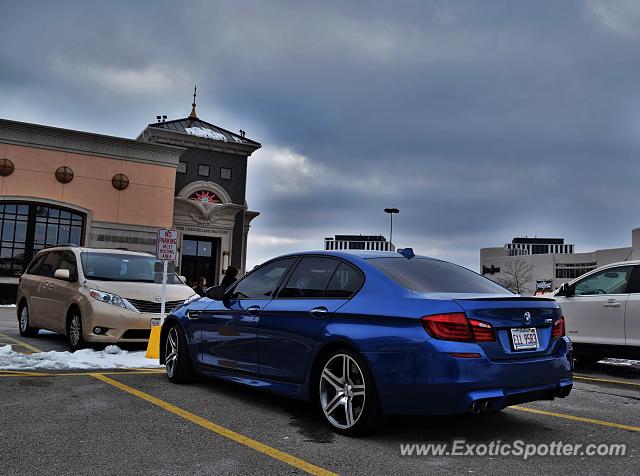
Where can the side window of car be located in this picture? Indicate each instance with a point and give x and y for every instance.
(346, 281)
(69, 262)
(262, 282)
(607, 281)
(35, 264)
(50, 264)
(310, 278)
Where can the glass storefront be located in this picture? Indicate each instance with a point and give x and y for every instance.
(27, 227)
(199, 259)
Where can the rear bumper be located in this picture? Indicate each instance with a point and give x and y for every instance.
(433, 382)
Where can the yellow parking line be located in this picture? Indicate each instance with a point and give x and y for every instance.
(577, 418)
(220, 430)
(19, 342)
(18, 373)
(621, 382)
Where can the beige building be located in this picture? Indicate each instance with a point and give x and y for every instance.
(553, 262)
(60, 186)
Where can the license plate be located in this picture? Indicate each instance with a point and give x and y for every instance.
(524, 338)
(155, 321)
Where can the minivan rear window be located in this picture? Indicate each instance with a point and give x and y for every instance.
(435, 276)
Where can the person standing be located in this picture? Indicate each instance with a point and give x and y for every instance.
(201, 287)
(230, 277)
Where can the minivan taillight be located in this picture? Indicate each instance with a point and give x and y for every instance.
(558, 328)
(456, 327)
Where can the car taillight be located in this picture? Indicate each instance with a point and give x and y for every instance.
(482, 331)
(558, 328)
(456, 327)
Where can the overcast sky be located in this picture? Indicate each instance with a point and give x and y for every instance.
(480, 121)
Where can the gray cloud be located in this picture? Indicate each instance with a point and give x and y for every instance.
(478, 120)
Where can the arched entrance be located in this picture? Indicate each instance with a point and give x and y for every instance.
(205, 217)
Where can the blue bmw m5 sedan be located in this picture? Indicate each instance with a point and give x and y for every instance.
(362, 334)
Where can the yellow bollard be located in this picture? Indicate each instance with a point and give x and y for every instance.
(153, 347)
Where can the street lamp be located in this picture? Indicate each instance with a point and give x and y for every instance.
(391, 211)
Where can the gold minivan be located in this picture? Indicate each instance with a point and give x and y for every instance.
(94, 295)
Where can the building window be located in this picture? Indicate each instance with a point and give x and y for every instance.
(182, 167)
(225, 173)
(573, 270)
(27, 228)
(6, 167)
(64, 174)
(203, 170)
(120, 181)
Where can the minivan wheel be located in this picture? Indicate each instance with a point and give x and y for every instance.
(346, 394)
(176, 356)
(75, 340)
(24, 325)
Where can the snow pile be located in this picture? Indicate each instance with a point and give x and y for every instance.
(112, 357)
(622, 362)
(204, 132)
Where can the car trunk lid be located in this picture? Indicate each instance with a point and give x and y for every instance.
(513, 312)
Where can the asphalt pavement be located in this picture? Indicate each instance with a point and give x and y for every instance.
(129, 421)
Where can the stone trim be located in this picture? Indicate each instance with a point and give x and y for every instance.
(87, 143)
(180, 139)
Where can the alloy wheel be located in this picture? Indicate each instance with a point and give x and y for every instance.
(342, 391)
(74, 330)
(171, 351)
(24, 319)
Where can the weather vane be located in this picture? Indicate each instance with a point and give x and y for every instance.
(193, 104)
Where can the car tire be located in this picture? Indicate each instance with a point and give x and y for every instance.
(346, 395)
(177, 361)
(24, 323)
(75, 338)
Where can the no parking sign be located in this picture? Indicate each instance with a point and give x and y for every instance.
(167, 244)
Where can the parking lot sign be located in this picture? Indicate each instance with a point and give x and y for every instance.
(167, 244)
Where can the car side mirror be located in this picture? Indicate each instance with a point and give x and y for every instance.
(216, 293)
(565, 290)
(63, 274)
(183, 279)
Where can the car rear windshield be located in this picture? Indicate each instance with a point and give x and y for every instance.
(434, 276)
(123, 267)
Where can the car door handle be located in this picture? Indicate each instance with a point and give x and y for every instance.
(319, 311)
(253, 310)
(612, 304)
(193, 315)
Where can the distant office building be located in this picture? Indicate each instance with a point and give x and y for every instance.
(552, 260)
(358, 242)
(538, 246)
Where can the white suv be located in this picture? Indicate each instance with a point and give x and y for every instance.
(602, 312)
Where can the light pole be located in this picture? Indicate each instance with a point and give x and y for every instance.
(391, 211)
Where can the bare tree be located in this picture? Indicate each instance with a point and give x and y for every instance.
(516, 276)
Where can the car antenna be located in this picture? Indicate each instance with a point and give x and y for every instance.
(407, 252)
